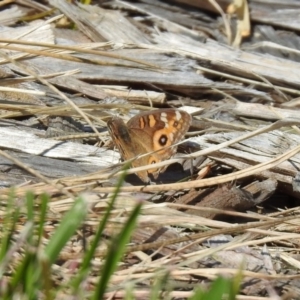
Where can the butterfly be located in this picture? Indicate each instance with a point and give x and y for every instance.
(146, 132)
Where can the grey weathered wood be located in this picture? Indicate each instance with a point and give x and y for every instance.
(29, 143)
(263, 112)
(236, 62)
(100, 24)
(11, 15)
(184, 78)
(258, 149)
(49, 167)
(73, 84)
(280, 13)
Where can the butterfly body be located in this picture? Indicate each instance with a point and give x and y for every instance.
(146, 132)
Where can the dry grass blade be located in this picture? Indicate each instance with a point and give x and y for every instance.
(7, 89)
(233, 229)
(77, 49)
(225, 20)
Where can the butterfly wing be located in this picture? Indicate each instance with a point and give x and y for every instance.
(158, 131)
(147, 132)
(128, 144)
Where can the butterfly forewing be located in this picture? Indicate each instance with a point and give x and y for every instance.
(123, 139)
(158, 131)
(147, 132)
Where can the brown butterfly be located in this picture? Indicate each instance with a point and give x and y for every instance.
(147, 132)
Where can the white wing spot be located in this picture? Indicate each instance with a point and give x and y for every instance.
(163, 117)
(178, 115)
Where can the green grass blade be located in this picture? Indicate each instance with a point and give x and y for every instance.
(42, 216)
(85, 266)
(218, 289)
(9, 224)
(129, 292)
(236, 284)
(160, 284)
(30, 206)
(19, 277)
(70, 222)
(115, 253)
(27, 273)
